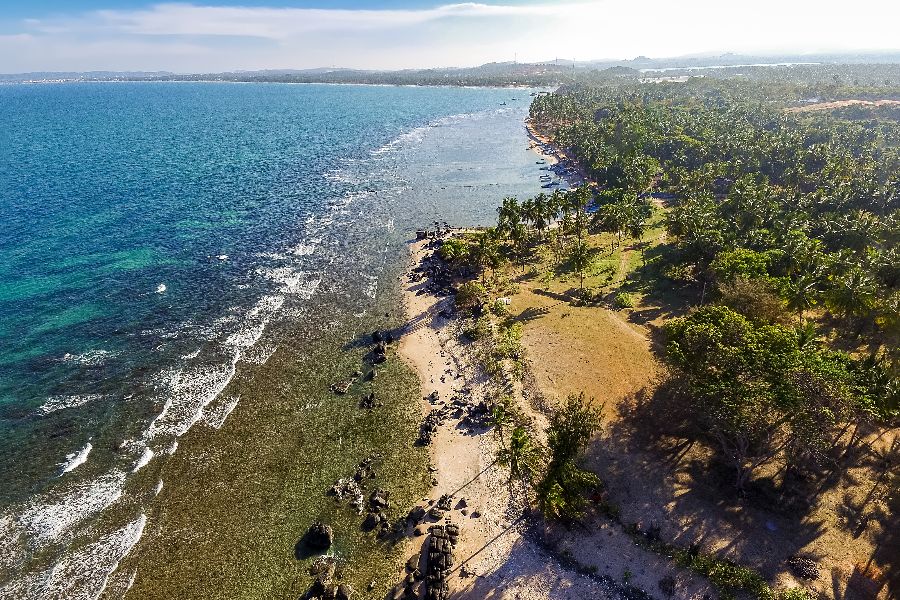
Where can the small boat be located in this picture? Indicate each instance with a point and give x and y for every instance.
(540, 162)
(547, 185)
(503, 104)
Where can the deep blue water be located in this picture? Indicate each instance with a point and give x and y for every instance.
(148, 234)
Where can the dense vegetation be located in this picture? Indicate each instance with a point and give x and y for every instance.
(783, 229)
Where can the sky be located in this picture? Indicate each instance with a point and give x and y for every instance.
(226, 35)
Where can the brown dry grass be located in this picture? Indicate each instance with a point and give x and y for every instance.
(845, 524)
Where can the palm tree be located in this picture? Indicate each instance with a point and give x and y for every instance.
(485, 252)
(802, 294)
(580, 255)
(521, 456)
(509, 215)
(853, 293)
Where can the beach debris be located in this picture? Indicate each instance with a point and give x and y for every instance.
(320, 536)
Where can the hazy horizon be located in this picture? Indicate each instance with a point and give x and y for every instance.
(234, 35)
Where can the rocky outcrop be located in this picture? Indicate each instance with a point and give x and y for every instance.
(440, 560)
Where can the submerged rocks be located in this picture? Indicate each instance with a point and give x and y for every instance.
(369, 401)
(378, 500)
(348, 490)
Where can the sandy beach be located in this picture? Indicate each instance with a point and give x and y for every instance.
(496, 555)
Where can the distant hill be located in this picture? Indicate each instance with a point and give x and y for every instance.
(540, 74)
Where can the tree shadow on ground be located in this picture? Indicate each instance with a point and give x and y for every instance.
(660, 473)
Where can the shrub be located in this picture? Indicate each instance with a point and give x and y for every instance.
(624, 300)
(471, 295)
(561, 492)
(480, 328)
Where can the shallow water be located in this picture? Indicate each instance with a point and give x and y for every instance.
(157, 240)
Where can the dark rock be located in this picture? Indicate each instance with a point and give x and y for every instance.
(804, 568)
(412, 564)
(320, 536)
(378, 500)
(319, 587)
(368, 401)
(344, 592)
(371, 521)
(667, 586)
(445, 502)
(416, 514)
(376, 337)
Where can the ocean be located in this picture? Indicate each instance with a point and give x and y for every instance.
(183, 267)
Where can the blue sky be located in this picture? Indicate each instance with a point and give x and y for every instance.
(219, 35)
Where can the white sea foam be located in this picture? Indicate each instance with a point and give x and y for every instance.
(55, 403)
(188, 392)
(293, 281)
(146, 457)
(47, 517)
(259, 354)
(158, 488)
(215, 414)
(371, 286)
(91, 358)
(86, 572)
(76, 459)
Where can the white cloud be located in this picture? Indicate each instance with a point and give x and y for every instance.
(186, 37)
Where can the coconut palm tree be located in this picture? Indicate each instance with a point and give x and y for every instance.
(522, 456)
(802, 294)
(580, 255)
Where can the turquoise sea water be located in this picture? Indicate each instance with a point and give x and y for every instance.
(149, 234)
